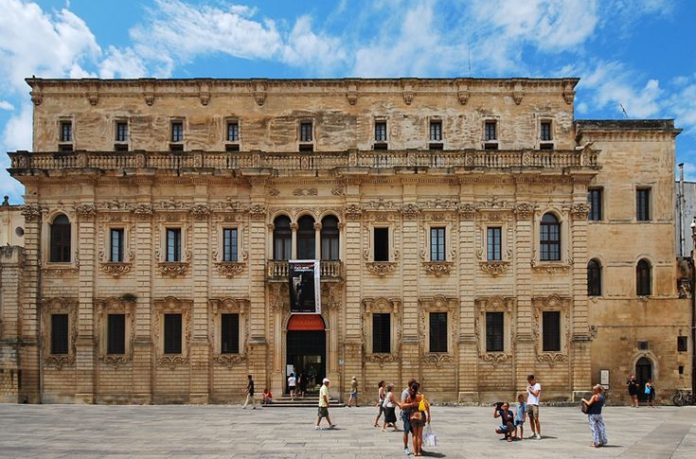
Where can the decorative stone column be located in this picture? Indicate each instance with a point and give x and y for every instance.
(259, 363)
(200, 268)
(412, 344)
(349, 355)
(580, 349)
(85, 346)
(525, 355)
(468, 346)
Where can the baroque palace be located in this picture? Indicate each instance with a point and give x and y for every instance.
(469, 231)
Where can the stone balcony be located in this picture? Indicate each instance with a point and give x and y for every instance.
(329, 271)
(257, 162)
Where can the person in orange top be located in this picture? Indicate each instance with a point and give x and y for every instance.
(267, 396)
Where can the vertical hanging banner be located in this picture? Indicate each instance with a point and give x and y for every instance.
(305, 289)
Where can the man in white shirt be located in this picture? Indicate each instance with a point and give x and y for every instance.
(533, 395)
(324, 404)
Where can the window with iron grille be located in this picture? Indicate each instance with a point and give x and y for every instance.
(172, 333)
(60, 240)
(121, 132)
(381, 241)
(116, 245)
(116, 334)
(438, 331)
(380, 131)
(177, 131)
(329, 238)
(682, 343)
(437, 244)
(233, 131)
(551, 331)
(643, 278)
(59, 334)
(545, 131)
(643, 204)
(229, 244)
(594, 200)
(594, 278)
(66, 131)
(381, 333)
(282, 238)
(436, 131)
(490, 131)
(495, 322)
(550, 238)
(173, 244)
(306, 131)
(229, 334)
(494, 244)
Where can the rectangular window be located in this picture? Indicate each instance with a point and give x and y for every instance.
(643, 204)
(120, 147)
(490, 131)
(232, 147)
(59, 334)
(494, 243)
(177, 131)
(436, 131)
(229, 334)
(66, 131)
(381, 333)
(306, 147)
(233, 131)
(306, 131)
(116, 245)
(229, 244)
(121, 132)
(551, 330)
(65, 148)
(437, 244)
(682, 343)
(545, 131)
(380, 131)
(172, 333)
(116, 334)
(381, 241)
(594, 200)
(495, 332)
(438, 332)
(173, 244)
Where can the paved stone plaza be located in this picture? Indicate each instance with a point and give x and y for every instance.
(229, 431)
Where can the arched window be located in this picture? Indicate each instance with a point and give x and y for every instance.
(643, 278)
(329, 238)
(306, 238)
(60, 239)
(594, 278)
(550, 238)
(282, 238)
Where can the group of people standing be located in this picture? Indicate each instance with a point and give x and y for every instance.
(297, 384)
(512, 424)
(647, 394)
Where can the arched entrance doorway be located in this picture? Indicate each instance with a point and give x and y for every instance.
(644, 372)
(306, 348)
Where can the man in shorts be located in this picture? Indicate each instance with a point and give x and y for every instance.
(324, 405)
(533, 395)
(406, 415)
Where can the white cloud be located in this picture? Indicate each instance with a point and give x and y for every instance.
(5, 105)
(122, 63)
(306, 48)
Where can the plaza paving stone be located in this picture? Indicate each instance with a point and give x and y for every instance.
(66, 431)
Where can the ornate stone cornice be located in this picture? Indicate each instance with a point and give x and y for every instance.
(410, 210)
(381, 268)
(200, 211)
(524, 210)
(86, 210)
(438, 268)
(143, 211)
(467, 210)
(353, 212)
(494, 268)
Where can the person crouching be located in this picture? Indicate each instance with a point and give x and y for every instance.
(507, 418)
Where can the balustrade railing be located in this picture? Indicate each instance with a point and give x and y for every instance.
(328, 270)
(485, 159)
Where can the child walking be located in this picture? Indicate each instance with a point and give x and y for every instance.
(520, 416)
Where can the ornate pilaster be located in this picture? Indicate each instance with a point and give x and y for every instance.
(85, 358)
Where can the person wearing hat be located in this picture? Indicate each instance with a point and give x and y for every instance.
(324, 405)
(353, 400)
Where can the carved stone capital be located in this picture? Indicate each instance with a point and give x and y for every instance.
(143, 211)
(467, 210)
(494, 268)
(86, 210)
(524, 210)
(31, 213)
(410, 211)
(257, 212)
(200, 212)
(353, 212)
(438, 268)
(173, 269)
(579, 211)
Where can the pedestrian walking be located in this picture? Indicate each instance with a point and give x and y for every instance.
(250, 394)
(381, 393)
(650, 392)
(594, 416)
(292, 384)
(633, 389)
(302, 383)
(533, 396)
(353, 400)
(390, 409)
(324, 405)
(406, 413)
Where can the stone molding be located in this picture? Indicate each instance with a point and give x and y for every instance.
(59, 305)
(438, 268)
(494, 268)
(381, 268)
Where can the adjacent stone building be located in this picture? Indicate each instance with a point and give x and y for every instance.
(450, 216)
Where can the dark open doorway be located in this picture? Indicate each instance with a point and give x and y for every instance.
(306, 348)
(644, 372)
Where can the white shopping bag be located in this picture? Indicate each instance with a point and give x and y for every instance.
(429, 437)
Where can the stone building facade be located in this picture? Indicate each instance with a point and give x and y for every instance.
(450, 216)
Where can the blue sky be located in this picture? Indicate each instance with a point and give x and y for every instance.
(639, 54)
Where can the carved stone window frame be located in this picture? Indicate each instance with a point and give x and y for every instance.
(46, 263)
(508, 306)
(438, 303)
(114, 305)
(219, 306)
(113, 268)
(565, 222)
(229, 269)
(552, 302)
(179, 268)
(491, 219)
(381, 268)
(381, 305)
(171, 305)
(226, 121)
(59, 305)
